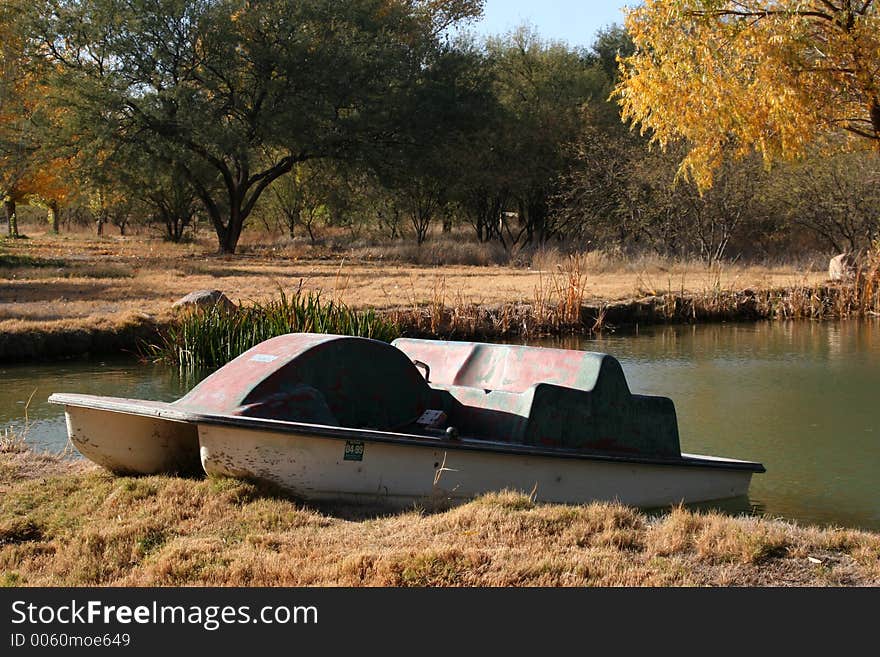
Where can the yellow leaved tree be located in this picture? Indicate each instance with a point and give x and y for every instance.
(773, 75)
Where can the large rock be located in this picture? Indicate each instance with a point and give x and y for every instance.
(205, 299)
(842, 267)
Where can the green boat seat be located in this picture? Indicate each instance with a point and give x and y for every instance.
(593, 421)
(489, 414)
(511, 368)
(545, 397)
(548, 415)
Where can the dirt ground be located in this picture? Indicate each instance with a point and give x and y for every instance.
(78, 279)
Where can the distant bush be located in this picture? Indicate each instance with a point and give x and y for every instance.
(437, 252)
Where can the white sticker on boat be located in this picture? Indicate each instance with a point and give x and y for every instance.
(263, 358)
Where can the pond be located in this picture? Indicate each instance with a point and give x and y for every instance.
(802, 398)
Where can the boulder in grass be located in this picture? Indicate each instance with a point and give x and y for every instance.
(202, 299)
(842, 267)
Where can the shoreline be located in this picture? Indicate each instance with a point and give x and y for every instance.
(71, 523)
(65, 342)
(72, 339)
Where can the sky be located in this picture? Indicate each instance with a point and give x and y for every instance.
(574, 21)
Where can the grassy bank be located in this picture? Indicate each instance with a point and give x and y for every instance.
(74, 338)
(71, 523)
(76, 294)
(559, 316)
(217, 337)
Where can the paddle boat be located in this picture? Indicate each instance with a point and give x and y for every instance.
(346, 418)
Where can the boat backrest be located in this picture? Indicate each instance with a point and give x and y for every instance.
(326, 379)
(595, 421)
(606, 420)
(512, 368)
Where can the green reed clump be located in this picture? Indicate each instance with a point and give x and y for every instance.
(214, 336)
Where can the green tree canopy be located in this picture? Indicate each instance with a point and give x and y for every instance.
(542, 89)
(235, 93)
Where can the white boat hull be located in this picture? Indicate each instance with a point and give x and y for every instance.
(126, 443)
(314, 467)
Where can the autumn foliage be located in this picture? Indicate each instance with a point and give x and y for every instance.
(775, 75)
(29, 172)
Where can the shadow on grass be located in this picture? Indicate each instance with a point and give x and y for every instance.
(370, 508)
(34, 291)
(374, 507)
(15, 261)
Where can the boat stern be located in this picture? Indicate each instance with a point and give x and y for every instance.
(130, 437)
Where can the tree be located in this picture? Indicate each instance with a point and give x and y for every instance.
(446, 111)
(541, 89)
(772, 75)
(245, 88)
(837, 198)
(28, 172)
(112, 206)
(14, 151)
(483, 171)
(300, 199)
(175, 206)
(611, 43)
(620, 193)
(173, 201)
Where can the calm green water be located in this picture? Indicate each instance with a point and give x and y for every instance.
(802, 398)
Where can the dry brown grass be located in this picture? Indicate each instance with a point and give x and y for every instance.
(70, 523)
(95, 283)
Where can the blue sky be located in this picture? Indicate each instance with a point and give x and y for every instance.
(574, 21)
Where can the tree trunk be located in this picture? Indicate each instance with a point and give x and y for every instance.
(875, 118)
(54, 217)
(12, 222)
(292, 219)
(421, 221)
(231, 233)
(240, 204)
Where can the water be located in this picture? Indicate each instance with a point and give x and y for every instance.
(44, 424)
(802, 398)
